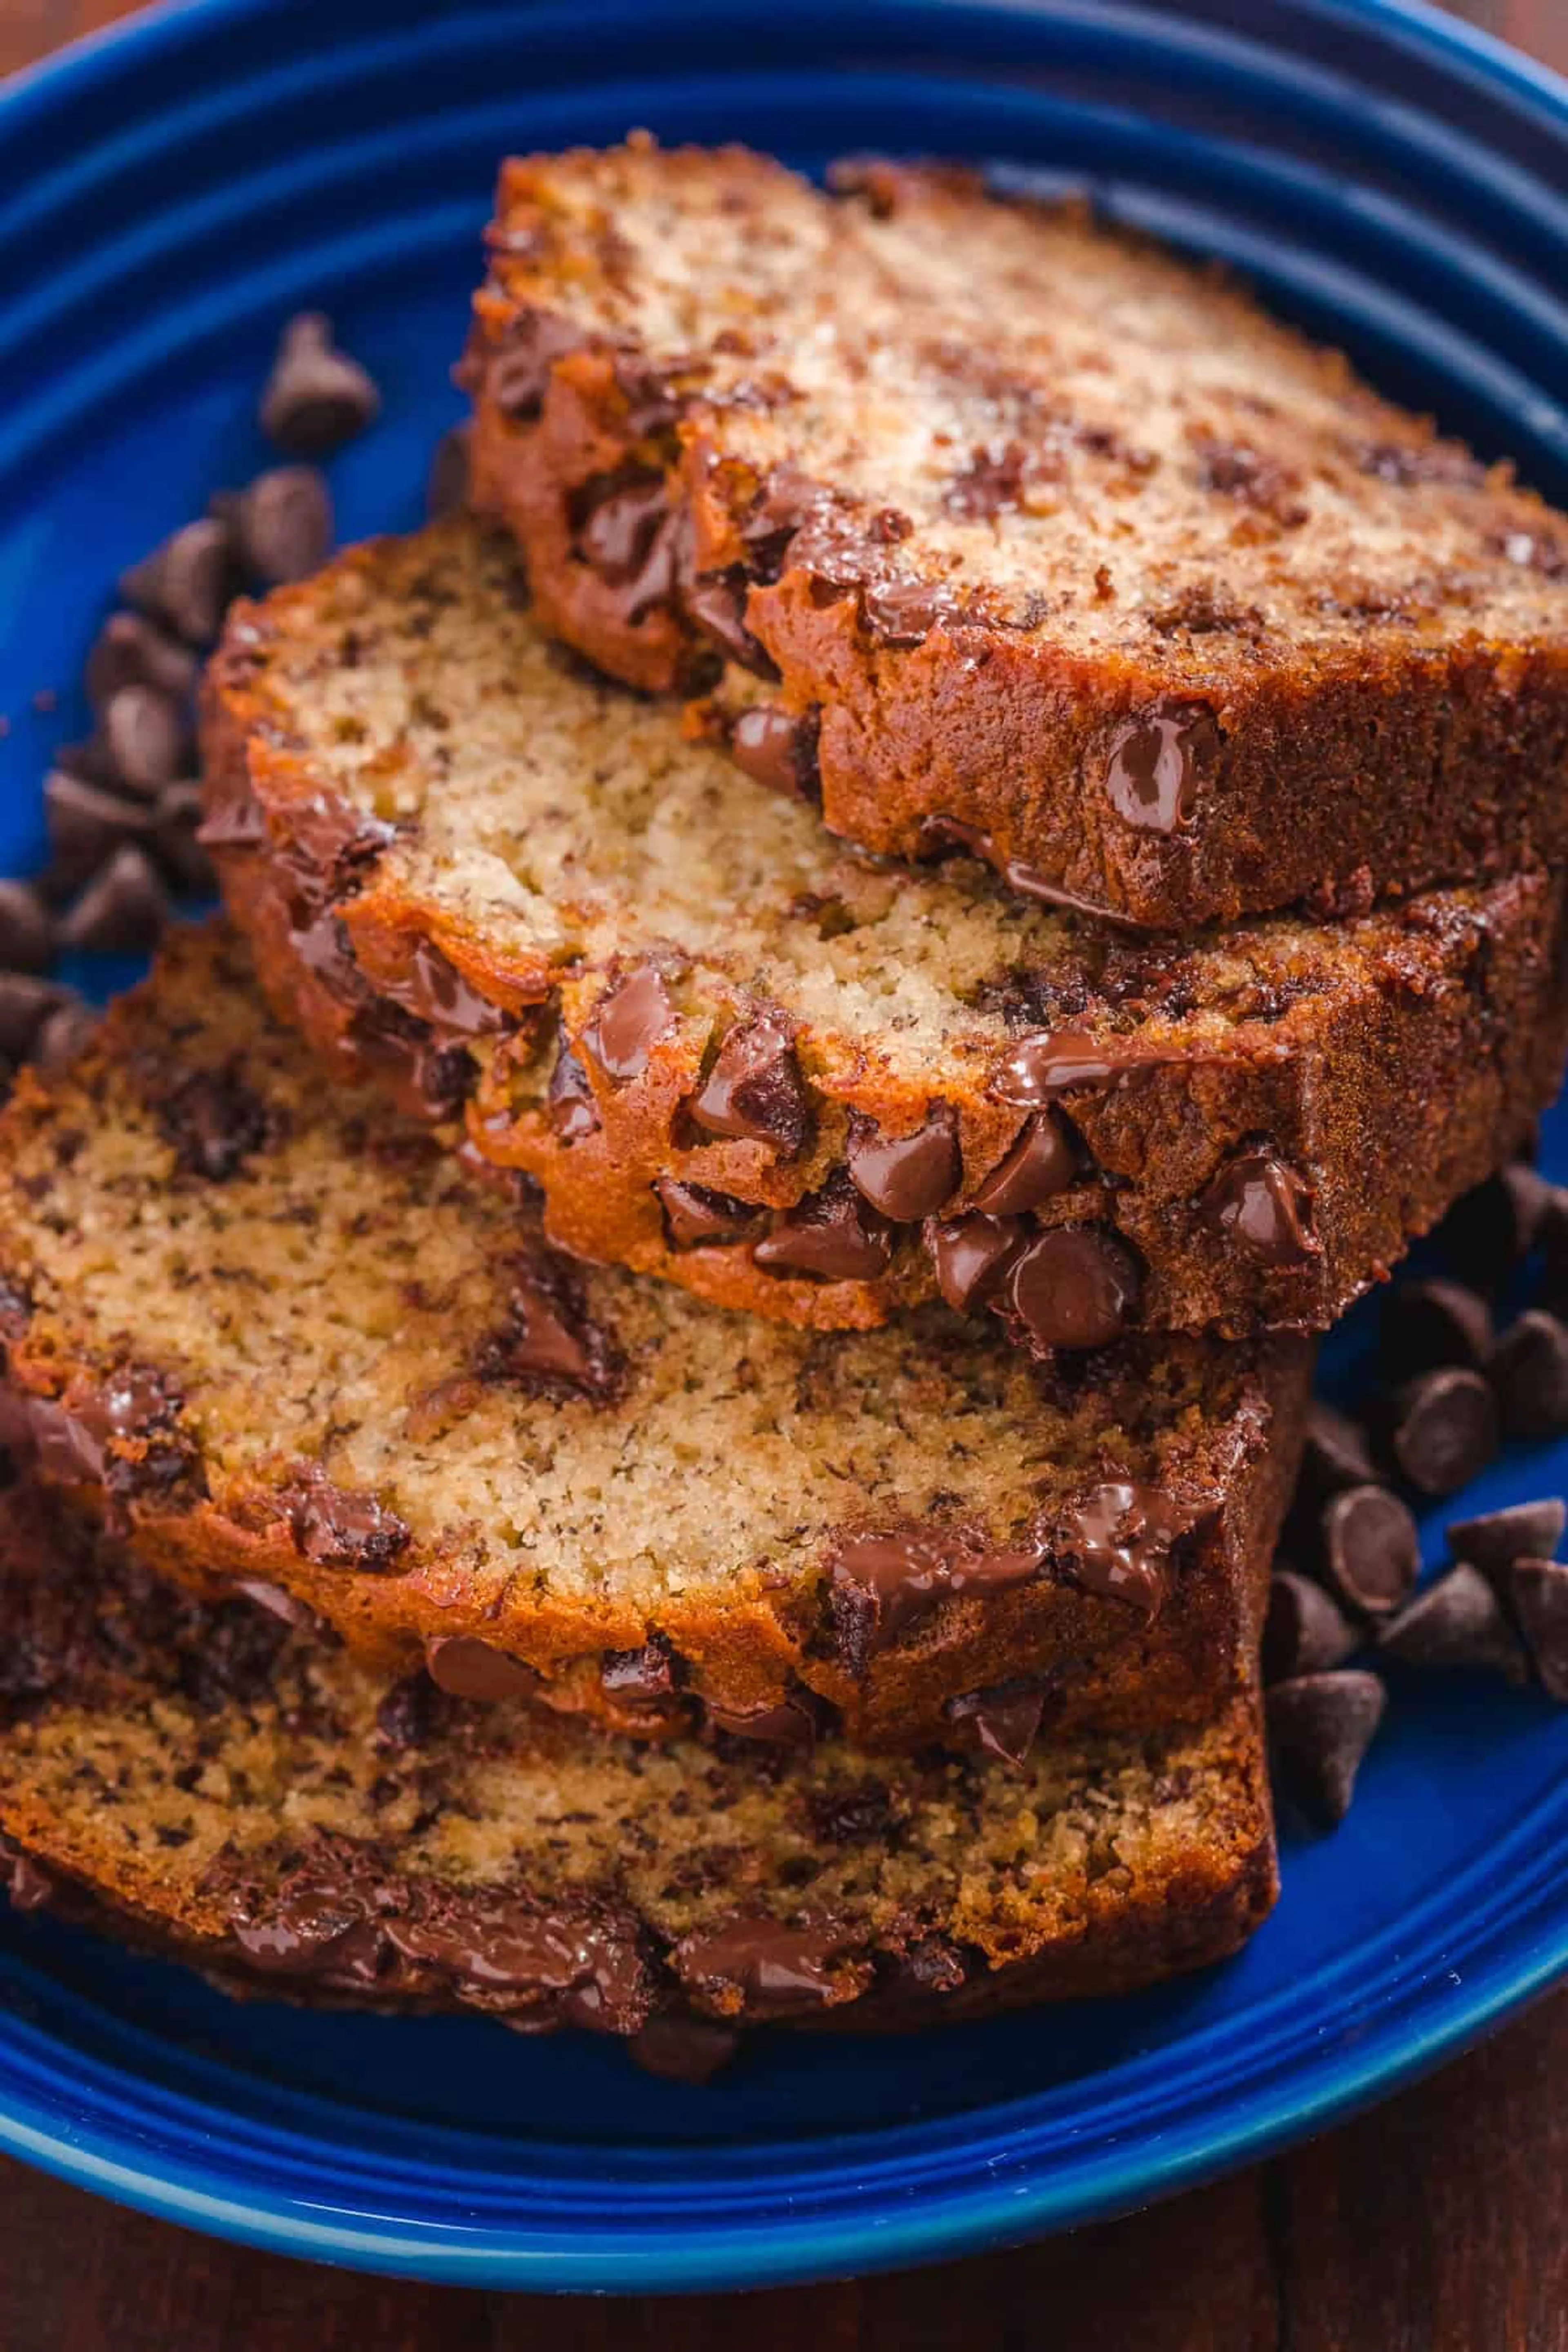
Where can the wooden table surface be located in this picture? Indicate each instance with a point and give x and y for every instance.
(1439, 2223)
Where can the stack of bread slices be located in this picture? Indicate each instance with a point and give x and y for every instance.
(654, 1389)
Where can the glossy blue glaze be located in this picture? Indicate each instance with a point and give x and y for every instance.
(166, 197)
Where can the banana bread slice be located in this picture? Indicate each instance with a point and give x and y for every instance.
(791, 1076)
(205, 1779)
(1037, 531)
(274, 1330)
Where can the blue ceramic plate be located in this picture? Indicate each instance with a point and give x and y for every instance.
(165, 197)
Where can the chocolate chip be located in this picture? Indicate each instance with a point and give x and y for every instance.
(683, 2048)
(467, 1667)
(129, 651)
(27, 934)
(316, 398)
(881, 1584)
(176, 820)
(1520, 1531)
(574, 1113)
(905, 612)
(446, 489)
(339, 1526)
(833, 1233)
(794, 1721)
(1260, 1203)
(122, 909)
(777, 750)
(1335, 1453)
(1117, 1541)
(1428, 1324)
(550, 1341)
(1320, 1727)
(1049, 1062)
(1001, 1720)
(63, 1033)
(1074, 1286)
(1538, 1590)
(1489, 1231)
(971, 1255)
(283, 523)
(628, 1021)
(146, 737)
(1444, 1430)
(1304, 1631)
(1156, 761)
(776, 1968)
(26, 1004)
(623, 538)
(1371, 1549)
(755, 1089)
(86, 825)
(1529, 1374)
(717, 605)
(906, 1176)
(187, 581)
(696, 1216)
(642, 1678)
(217, 1124)
(1045, 1160)
(1456, 1622)
(515, 375)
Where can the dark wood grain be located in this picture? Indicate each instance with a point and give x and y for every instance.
(1438, 2223)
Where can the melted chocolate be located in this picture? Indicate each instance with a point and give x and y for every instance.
(755, 1089)
(717, 605)
(906, 1176)
(882, 1584)
(941, 834)
(1073, 1287)
(1050, 1062)
(971, 1255)
(1260, 1201)
(340, 1528)
(469, 1668)
(1117, 1541)
(777, 1969)
(794, 1721)
(641, 1677)
(1157, 760)
(1001, 1720)
(778, 751)
(215, 1123)
(683, 2048)
(628, 1021)
(550, 1340)
(516, 373)
(831, 1234)
(574, 1113)
(433, 988)
(696, 1216)
(1045, 1160)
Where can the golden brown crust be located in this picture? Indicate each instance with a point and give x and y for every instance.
(373, 1461)
(1383, 1064)
(1367, 629)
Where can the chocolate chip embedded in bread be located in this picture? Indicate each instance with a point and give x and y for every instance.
(63, 1033)
(515, 372)
(1371, 1549)
(1520, 1531)
(283, 523)
(1443, 1430)
(642, 1678)
(550, 1340)
(778, 751)
(1304, 1631)
(316, 397)
(882, 1583)
(1456, 1623)
(716, 603)
(1260, 1203)
(626, 537)
(794, 1721)
(1045, 1159)
(760, 1966)
(1528, 1373)
(340, 1526)
(695, 1216)
(906, 1176)
(1538, 1592)
(27, 933)
(1073, 1287)
(755, 1089)
(1428, 1324)
(1320, 1728)
(628, 1021)
(1001, 1720)
(833, 1233)
(971, 1255)
(1117, 1541)
(1049, 1062)
(217, 1124)
(466, 1667)
(188, 581)
(1157, 760)
(573, 1114)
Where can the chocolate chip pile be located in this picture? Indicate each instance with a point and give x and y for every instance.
(123, 807)
(1456, 1381)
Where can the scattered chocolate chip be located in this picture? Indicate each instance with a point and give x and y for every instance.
(971, 1255)
(1305, 1632)
(1335, 1453)
(26, 1004)
(1429, 1324)
(1319, 1728)
(1371, 1549)
(1528, 1373)
(755, 1089)
(906, 1176)
(147, 739)
(1538, 1591)
(1259, 1202)
(1456, 1622)
(628, 1021)
(446, 489)
(777, 750)
(338, 1527)
(466, 1667)
(833, 1233)
(1001, 1720)
(1045, 1160)
(123, 909)
(1072, 1286)
(1157, 760)
(283, 523)
(86, 825)
(316, 398)
(574, 1113)
(187, 581)
(130, 651)
(1489, 1231)
(1443, 1429)
(63, 1033)
(683, 2048)
(1520, 1531)
(27, 933)
(696, 1216)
